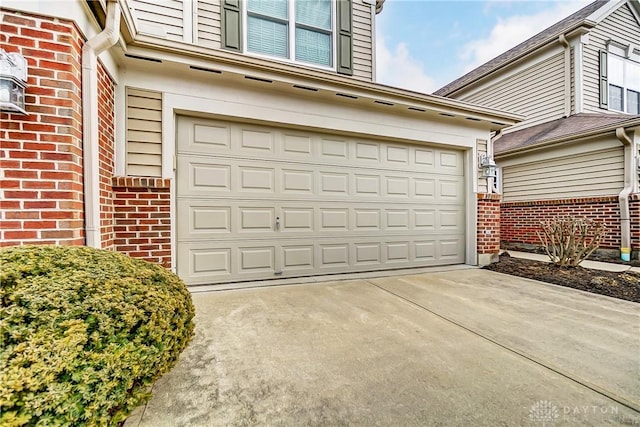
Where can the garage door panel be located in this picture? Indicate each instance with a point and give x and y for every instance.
(397, 154)
(257, 202)
(297, 145)
(297, 219)
(333, 150)
(297, 181)
(367, 152)
(202, 219)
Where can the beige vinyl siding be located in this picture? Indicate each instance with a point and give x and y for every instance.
(620, 26)
(536, 92)
(209, 23)
(592, 174)
(144, 133)
(165, 14)
(362, 41)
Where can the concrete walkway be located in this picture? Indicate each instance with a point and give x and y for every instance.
(596, 265)
(464, 347)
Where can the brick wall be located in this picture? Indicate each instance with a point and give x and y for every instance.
(106, 141)
(520, 220)
(41, 153)
(142, 218)
(634, 208)
(488, 223)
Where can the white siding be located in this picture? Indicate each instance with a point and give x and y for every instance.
(162, 14)
(560, 176)
(362, 41)
(144, 133)
(536, 92)
(621, 26)
(209, 25)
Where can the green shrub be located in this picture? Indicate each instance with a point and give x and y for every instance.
(84, 333)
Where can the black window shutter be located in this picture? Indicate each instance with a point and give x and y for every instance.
(604, 81)
(231, 25)
(345, 38)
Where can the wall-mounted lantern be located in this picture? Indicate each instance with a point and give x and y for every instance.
(488, 166)
(13, 82)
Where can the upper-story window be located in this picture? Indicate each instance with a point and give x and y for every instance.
(624, 82)
(296, 30)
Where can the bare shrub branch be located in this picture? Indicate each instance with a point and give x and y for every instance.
(569, 241)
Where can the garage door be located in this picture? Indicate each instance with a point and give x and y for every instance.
(258, 202)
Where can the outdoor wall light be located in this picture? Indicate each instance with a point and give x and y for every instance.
(13, 82)
(488, 166)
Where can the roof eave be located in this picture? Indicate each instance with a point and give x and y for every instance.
(566, 139)
(496, 119)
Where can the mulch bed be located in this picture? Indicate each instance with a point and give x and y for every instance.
(625, 285)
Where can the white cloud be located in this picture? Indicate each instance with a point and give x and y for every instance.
(511, 31)
(396, 67)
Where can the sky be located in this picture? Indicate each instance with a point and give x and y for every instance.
(424, 44)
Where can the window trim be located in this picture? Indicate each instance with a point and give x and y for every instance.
(291, 29)
(627, 54)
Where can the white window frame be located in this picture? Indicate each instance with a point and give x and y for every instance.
(628, 55)
(291, 38)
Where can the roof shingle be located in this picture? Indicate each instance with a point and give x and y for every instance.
(561, 129)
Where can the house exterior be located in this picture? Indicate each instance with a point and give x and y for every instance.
(235, 141)
(577, 84)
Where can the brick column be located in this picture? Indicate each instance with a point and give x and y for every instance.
(634, 210)
(488, 228)
(41, 190)
(142, 218)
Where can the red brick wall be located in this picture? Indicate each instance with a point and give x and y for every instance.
(634, 208)
(106, 141)
(488, 223)
(143, 218)
(520, 220)
(41, 153)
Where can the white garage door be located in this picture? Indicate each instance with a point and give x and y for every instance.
(257, 202)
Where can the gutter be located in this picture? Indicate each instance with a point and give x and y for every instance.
(623, 198)
(90, 133)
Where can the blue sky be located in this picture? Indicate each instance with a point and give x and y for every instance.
(424, 44)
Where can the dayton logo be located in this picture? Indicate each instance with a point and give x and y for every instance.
(543, 412)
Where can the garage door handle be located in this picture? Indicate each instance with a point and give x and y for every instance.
(277, 223)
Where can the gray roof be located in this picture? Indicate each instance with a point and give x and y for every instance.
(540, 39)
(562, 129)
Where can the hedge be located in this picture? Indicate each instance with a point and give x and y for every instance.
(84, 333)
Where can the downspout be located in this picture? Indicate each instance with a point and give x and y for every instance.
(623, 198)
(567, 74)
(90, 134)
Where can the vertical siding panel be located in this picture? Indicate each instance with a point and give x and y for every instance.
(536, 92)
(144, 133)
(362, 41)
(620, 26)
(209, 23)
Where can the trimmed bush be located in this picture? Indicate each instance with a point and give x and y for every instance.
(84, 333)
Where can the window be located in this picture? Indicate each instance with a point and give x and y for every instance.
(298, 30)
(624, 83)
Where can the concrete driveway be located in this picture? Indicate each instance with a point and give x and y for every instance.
(461, 347)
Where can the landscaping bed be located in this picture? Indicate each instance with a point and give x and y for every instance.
(625, 285)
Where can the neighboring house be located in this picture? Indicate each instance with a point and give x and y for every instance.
(576, 153)
(236, 140)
